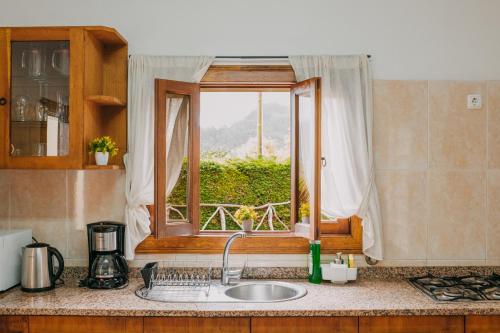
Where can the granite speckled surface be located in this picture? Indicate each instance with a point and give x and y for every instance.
(365, 297)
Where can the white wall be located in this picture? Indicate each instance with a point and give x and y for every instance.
(418, 39)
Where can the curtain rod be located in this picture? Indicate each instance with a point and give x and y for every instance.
(260, 57)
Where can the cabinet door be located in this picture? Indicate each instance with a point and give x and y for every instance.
(196, 325)
(77, 324)
(412, 324)
(45, 76)
(13, 324)
(305, 325)
(482, 324)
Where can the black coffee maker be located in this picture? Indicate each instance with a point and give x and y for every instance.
(108, 268)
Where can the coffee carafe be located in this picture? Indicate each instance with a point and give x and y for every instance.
(107, 265)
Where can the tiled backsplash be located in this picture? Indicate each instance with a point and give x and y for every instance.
(437, 170)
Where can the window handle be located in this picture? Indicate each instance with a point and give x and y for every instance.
(323, 162)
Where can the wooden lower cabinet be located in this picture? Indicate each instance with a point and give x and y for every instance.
(412, 324)
(14, 324)
(482, 324)
(391, 324)
(84, 324)
(196, 325)
(305, 325)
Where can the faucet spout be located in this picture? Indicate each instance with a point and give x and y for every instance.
(226, 273)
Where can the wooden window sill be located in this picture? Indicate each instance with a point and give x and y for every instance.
(259, 243)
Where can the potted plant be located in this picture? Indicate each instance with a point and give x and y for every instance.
(304, 212)
(246, 215)
(102, 147)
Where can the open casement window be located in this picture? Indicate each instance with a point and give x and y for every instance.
(307, 166)
(176, 222)
(177, 129)
(306, 157)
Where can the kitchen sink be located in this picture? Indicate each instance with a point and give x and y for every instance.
(243, 292)
(266, 291)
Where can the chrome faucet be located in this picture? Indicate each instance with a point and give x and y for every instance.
(227, 274)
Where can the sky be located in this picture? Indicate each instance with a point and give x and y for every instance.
(220, 109)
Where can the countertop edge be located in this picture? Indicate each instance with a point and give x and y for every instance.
(250, 313)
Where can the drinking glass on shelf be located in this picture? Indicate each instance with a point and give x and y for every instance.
(62, 106)
(40, 111)
(15, 151)
(39, 149)
(32, 61)
(21, 108)
(60, 61)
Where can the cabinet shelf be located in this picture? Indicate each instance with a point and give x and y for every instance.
(106, 100)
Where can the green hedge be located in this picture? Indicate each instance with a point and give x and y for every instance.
(251, 182)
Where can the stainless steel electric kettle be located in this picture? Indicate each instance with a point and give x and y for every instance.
(38, 267)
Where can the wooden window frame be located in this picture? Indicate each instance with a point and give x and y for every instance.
(345, 236)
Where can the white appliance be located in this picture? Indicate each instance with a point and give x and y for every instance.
(11, 244)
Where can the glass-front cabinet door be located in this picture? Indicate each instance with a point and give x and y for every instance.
(38, 116)
(39, 110)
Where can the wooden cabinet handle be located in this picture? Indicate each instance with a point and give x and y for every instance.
(3, 101)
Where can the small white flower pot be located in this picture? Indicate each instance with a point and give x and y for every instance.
(247, 225)
(305, 219)
(101, 158)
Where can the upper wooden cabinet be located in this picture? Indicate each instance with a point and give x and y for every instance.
(60, 87)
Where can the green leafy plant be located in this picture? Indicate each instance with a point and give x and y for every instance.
(245, 213)
(103, 144)
(304, 210)
(250, 182)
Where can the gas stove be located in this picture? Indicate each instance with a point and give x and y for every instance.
(461, 288)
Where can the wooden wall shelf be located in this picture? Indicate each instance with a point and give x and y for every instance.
(102, 167)
(106, 100)
(108, 36)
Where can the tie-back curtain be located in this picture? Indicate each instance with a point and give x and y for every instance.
(139, 160)
(347, 181)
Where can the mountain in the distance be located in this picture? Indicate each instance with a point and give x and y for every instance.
(276, 127)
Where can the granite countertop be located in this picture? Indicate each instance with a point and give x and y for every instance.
(365, 297)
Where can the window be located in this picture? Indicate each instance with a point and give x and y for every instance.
(234, 143)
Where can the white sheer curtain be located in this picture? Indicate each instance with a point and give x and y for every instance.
(139, 161)
(347, 181)
(177, 138)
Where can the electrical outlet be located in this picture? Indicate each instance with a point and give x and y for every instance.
(474, 102)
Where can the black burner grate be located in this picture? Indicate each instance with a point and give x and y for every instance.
(460, 288)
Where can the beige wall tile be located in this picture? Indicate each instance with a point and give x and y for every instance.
(493, 230)
(478, 262)
(96, 195)
(457, 215)
(457, 136)
(4, 195)
(38, 194)
(494, 124)
(93, 195)
(404, 213)
(46, 230)
(400, 124)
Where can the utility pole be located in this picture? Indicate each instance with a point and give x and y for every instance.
(260, 120)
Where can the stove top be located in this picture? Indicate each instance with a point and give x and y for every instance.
(461, 288)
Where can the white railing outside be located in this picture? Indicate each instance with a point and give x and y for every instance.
(270, 214)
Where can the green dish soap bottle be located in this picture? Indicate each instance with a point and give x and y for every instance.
(314, 261)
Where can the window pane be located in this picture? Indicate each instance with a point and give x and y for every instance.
(306, 156)
(177, 157)
(245, 158)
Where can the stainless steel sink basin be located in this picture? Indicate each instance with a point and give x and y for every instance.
(269, 291)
